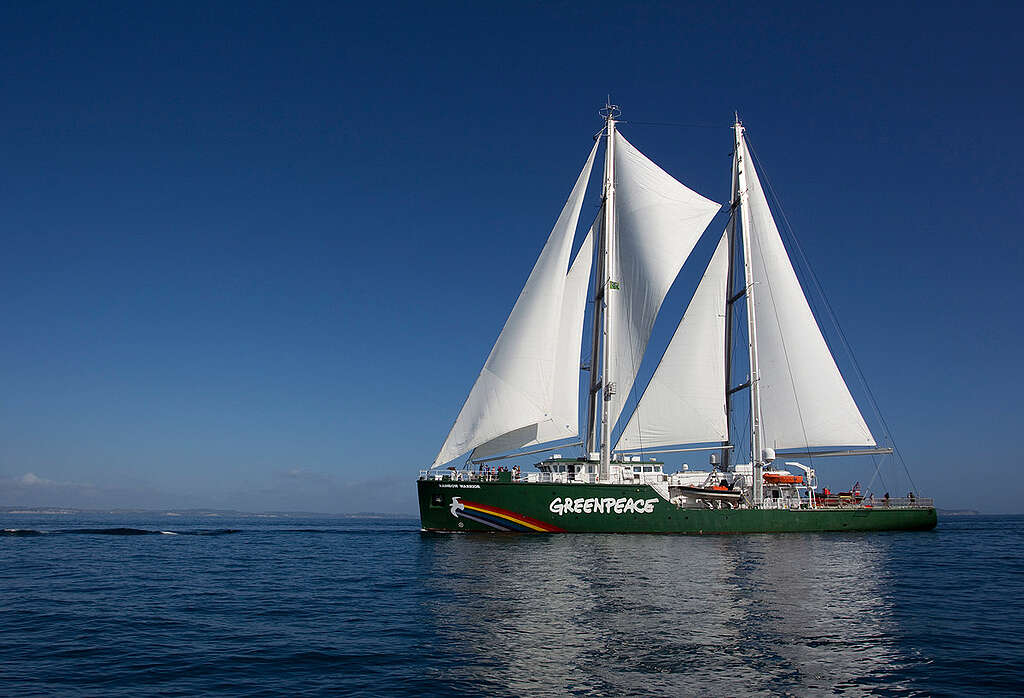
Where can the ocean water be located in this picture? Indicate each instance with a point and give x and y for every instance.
(108, 605)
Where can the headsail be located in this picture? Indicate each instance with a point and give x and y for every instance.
(658, 221)
(515, 386)
(805, 402)
(564, 422)
(685, 401)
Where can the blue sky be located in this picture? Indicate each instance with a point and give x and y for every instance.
(255, 254)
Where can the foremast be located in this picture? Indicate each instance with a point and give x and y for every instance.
(604, 388)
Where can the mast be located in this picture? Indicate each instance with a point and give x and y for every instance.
(756, 449)
(604, 388)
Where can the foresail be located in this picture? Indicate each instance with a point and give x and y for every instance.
(515, 387)
(805, 402)
(685, 401)
(658, 221)
(564, 420)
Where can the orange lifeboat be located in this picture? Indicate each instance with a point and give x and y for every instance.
(783, 479)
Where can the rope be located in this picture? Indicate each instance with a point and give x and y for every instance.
(878, 474)
(671, 123)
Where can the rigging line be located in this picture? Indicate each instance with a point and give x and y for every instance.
(878, 461)
(740, 333)
(878, 474)
(671, 123)
(838, 327)
(740, 411)
(730, 321)
(742, 441)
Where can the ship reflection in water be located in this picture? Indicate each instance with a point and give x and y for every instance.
(620, 614)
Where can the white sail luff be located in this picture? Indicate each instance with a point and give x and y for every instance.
(684, 402)
(564, 420)
(658, 221)
(515, 388)
(804, 401)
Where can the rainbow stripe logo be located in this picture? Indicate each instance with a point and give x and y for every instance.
(500, 519)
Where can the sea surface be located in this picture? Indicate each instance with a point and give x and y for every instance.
(130, 605)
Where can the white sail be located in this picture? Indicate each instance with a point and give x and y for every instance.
(805, 402)
(658, 221)
(685, 401)
(515, 387)
(564, 422)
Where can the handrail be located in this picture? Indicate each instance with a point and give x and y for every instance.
(873, 503)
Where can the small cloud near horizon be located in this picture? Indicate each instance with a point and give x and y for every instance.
(33, 480)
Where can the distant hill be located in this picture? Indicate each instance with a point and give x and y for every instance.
(959, 512)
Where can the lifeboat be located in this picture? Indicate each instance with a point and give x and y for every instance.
(783, 479)
(713, 493)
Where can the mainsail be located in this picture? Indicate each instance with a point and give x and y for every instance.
(684, 403)
(805, 402)
(658, 221)
(564, 422)
(515, 388)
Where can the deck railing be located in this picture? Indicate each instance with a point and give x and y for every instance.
(898, 502)
(821, 502)
(470, 476)
(838, 503)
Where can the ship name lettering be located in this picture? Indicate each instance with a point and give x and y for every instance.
(601, 505)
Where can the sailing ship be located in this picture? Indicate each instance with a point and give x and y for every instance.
(528, 394)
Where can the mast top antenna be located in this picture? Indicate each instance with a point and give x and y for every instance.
(609, 110)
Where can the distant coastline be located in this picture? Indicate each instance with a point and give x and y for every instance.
(213, 513)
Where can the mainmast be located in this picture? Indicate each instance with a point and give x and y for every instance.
(742, 197)
(605, 387)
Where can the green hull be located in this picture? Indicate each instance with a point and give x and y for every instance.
(543, 507)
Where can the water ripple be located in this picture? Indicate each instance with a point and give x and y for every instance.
(374, 607)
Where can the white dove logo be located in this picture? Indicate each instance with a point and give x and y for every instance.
(457, 506)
